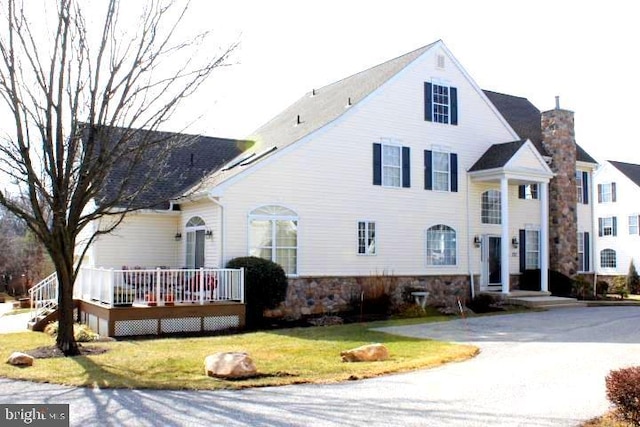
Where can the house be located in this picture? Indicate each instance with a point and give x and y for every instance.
(406, 171)
(617, 214)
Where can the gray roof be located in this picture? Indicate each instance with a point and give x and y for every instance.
(186, 161)
(497, 155)
(632, 171)
(524, 118)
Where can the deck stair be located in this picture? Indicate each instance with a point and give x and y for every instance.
(537, 299)
(44, 303)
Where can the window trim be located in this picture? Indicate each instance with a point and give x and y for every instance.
(367, 227)
(527, 250)
(430, 104)
(426, 246)
(603, 226)
(286, 214)
(637, 224)
(609, 251)
(498, 208)
(446, 154)
(611, 193)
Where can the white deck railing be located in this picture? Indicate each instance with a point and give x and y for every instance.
(44, 296)
(159, 286)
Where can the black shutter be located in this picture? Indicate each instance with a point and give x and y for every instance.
(523, 251)
(615, 226)
(585, 188)
(453, 98)
(428, 100)
(600, 229)
(587, 252)
(521, 191)
(406, 167)
(613, 191)
(428, 176)
(377, 164)
(453, 163)
(599, 193)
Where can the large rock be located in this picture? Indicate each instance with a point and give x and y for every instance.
(229, 365)
(20, 359)
(366, 353)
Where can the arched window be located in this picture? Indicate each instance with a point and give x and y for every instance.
(608, 258)
(195, 231)
(491, 206)
(441, 245)
(273, 235)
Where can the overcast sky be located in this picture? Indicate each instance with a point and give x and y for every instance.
(584, 51)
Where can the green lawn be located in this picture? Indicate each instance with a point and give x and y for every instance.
(286, 356)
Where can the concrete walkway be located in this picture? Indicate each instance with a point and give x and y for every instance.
(535, 369)
(12, 322)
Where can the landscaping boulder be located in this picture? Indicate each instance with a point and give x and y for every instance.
(20, 359)
(229, 365)
(366, 353)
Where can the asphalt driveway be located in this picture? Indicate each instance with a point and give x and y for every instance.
(535, 369)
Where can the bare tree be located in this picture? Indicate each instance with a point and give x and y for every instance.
(85, 101)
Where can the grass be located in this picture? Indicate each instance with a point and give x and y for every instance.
(286, 356)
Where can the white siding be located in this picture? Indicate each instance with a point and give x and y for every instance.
(142, 239)
(627, 246)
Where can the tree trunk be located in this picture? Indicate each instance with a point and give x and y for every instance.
(65, 340)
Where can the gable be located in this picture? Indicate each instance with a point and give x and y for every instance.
(527, 158)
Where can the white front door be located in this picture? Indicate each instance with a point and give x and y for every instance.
(491, 262)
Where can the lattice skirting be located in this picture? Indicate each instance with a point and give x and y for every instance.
(168, 325)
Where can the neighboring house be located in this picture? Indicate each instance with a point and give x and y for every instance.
(407, 169)
(617, 215)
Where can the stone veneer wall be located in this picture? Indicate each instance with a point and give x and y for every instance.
(558, 138)
(328, 295)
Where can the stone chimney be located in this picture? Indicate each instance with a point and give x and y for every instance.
(558, 139)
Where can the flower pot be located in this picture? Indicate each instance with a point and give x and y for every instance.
(151, 300)
(168, 299)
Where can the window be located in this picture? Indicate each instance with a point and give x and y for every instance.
(583, 251)
(440, 171)
(607, 192)
(491, 207)
(608, 258)
(441, 245)
(195, 233)
(441, 103)
(528, 191)
(633, 224)
(532, 249)
(366, 238)
(607, 226)
(391, 165)
(273, 235)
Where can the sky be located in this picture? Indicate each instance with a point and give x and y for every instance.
(585, 52)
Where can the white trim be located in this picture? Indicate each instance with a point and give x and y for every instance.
(273, 219)
(426, 248)
(375, 239)
(505, 249)
(543, 192)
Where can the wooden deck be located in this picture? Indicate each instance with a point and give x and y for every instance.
(161, 320)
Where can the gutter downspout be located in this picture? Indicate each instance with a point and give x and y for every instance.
(473, 291)
(222, 228)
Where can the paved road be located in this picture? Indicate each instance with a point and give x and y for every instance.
(535, 369)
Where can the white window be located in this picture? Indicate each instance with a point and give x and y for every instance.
(491, 207)
(530, 191)
(273, 235)
(532, 249)
(633, 224)
(441, 171)
(607, 226)
(195, 234)
(391, 165)
(607, 192)
(366, 238)
(440, 103)
(581, 258)
(608, 258)
(579, 190)
(441, 245)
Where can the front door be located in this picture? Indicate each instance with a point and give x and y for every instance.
(492, 258)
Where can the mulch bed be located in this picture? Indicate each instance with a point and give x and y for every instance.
(53, 351)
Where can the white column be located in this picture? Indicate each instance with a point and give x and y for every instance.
(544, 237)
(505, 245)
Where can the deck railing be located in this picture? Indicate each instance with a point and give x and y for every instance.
(159, 286)
(44, 296)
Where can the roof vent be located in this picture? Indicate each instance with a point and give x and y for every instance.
(440, 61)
(348, 102)
(298, 120)
(313, 92)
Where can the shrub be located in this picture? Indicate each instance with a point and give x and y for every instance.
(619, 287)
(81, 332)
(633, 280)
(582, 288)
(482, 303)
(623, 390)
(265, 285)
(602, 288)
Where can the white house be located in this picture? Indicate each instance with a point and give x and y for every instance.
(407, 169)
(617, 214)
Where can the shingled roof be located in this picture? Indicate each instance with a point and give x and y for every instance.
(189, 159)
(497, 155)
(630, 170)
(524, 118)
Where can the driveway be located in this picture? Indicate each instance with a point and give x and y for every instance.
(535, 369)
